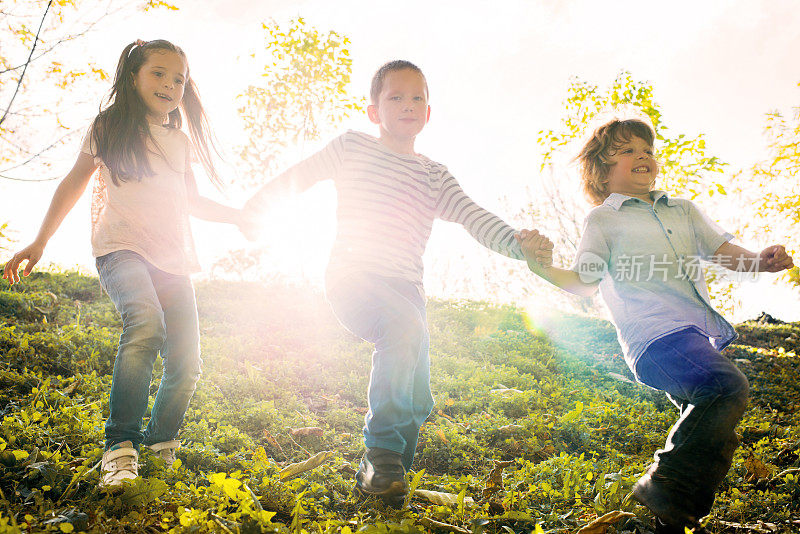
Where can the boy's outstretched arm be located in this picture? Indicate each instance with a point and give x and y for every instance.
(284, 184)
(325, 164)
(772, 259)
(67, 194)
(536, 246)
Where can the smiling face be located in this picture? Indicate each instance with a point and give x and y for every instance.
(401, 109)
(160, 83)
(633, 168)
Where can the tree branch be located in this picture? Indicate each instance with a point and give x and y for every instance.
(33, 157)
(64, 39)
(22, 76)
(3, 177)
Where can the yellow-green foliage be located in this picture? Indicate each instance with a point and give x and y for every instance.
(534, 391)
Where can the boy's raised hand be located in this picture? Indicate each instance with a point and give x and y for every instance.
(32, 253)
(774, 259)
(536, 247)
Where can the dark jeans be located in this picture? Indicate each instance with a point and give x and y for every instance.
(390, 313)
(159, 314)
(711, 394)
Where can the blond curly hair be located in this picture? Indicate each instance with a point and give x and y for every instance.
(594, 158)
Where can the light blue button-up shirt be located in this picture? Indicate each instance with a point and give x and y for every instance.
(647, 258)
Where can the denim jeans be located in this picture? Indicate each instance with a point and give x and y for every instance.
(159, 314)
(711, 394)
(390, 313)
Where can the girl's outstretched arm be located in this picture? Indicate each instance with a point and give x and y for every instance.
(207, 209)
(67, 194)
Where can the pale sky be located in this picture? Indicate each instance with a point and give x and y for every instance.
(498, 73)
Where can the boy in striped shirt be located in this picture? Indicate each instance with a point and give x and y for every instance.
(388, 197)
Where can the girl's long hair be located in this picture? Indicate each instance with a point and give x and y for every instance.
(120, 131)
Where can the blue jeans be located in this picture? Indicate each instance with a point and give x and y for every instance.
(390, 313)
(159, 314)
(711, 394)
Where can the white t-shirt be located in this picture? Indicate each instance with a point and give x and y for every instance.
(151, 216)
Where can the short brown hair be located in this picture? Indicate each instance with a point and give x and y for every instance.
(593, 158)
(392, 66)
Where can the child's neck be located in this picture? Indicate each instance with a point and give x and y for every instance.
(400, 145)
(156, 120)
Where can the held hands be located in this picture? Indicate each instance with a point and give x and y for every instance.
(32, 253)
(249, 224)
(536, 247)
(774, 259)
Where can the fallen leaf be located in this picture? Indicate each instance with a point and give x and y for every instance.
(440, 497)
(438, 525)
(505, 391)
(494, 480)
(756, 469)
(70, 388)
(292, 470)
(761, 527)
(306, 431)
(270, 439)
(142, 491)
(601, 524)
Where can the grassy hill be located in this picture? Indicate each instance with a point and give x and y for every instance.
(537, 426)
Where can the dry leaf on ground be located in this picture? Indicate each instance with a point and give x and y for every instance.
(292, 470)
(601, 524)
(440, 497)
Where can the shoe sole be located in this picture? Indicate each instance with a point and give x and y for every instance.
(395, 488)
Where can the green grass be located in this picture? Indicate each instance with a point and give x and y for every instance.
(275, 359)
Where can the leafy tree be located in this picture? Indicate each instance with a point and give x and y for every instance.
(778, 210)
(304, 92)
(557, 207)
(41, 69)
(685, 167)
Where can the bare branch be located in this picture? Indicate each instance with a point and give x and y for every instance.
(29, 179)
(22, 76)
(65, 39)
(36, 156)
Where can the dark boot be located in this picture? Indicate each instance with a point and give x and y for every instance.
(381, 473)
(667, 503)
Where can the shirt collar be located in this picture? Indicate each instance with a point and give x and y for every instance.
(616, 200)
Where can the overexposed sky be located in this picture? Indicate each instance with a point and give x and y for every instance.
(498, 73)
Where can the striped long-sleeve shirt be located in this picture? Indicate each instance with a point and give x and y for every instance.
(386, 206)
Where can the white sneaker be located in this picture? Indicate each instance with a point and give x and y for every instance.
(120, 463)
(165, 450)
